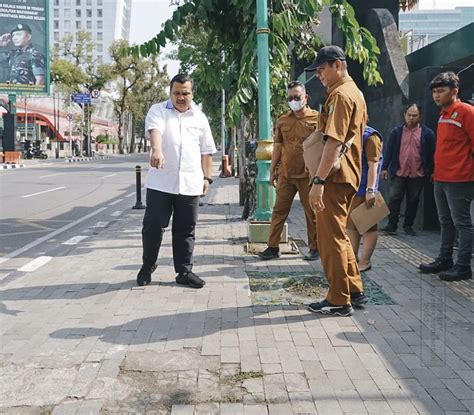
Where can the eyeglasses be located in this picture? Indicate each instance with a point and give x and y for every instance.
(294, 98)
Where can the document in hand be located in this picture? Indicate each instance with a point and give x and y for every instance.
(365, 217)
(313, 148)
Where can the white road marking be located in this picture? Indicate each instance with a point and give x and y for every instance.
(4, 276)
(35, 264)
(115, 202)
(130, 194)
(109, 175)
(75, 240)
(45, 191)
(50, 175)
(49, 236)
(116, 213)
(100, 225)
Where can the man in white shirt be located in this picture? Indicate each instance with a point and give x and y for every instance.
(181, 166)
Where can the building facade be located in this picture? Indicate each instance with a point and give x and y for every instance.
(105, 20)
(422, 27)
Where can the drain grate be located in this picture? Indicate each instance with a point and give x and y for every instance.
(300, 288)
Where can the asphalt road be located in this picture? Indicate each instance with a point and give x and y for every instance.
(51, 200)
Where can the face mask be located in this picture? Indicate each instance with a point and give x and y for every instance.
(296, 105)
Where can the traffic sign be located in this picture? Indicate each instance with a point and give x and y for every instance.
(95, 93)
(69, 116)
(84, 98)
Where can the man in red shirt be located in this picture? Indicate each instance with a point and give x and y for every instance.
(454, 178)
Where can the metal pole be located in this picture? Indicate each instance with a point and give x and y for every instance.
(70, 127)
(56, 150)
(265, 192)
(138, 181)
(57, 128)
(26, 119)
(89, 137)
(82, 129)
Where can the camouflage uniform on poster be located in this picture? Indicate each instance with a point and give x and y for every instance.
(26, 64)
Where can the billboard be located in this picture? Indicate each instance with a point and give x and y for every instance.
(24, 47)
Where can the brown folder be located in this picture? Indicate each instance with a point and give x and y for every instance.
(365, 217)
(313, 148)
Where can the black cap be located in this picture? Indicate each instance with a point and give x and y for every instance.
(21, 26)
(326, 54)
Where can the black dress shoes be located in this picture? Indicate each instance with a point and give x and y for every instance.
(456, 273)
(436, 266)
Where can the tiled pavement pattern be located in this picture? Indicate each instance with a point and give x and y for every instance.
(77, 336)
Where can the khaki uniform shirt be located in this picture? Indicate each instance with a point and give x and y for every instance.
(290, 131)
(373, 148)
(344, 117)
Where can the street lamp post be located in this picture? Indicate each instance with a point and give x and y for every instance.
(265, 192)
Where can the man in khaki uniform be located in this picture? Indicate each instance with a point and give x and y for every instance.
(291, 130)
(345, 117)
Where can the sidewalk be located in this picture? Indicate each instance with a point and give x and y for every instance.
(78, 337)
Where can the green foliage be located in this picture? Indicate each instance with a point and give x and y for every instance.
(140, 83)
(105, 139)
(203, 29)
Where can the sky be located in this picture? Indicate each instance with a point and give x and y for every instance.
(149, 15)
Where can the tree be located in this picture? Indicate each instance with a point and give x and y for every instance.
(204, 29)
(73, 69)
(139, 81)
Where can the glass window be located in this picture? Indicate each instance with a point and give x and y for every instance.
(99, 3)
(78, 13)
(99, 59)
(56, 36)
(67, 24)
(56, 2)
(89, 2)
(56, 24)
(89, 24)
(78, 2)
(89, 12)
(56, 45)
(78, 24)
(67, 12)
(99, 12)
(100, 36)
(56, 13)
(100, 47)
(99, 24)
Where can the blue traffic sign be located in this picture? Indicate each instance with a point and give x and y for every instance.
(84, 98)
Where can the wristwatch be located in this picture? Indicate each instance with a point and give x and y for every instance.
(318, 180)
(370, 190)
(210, 181)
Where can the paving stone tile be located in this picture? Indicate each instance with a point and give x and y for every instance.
(302, 403)
(182, 410)
(279, 409)
(296, 382)
(232, 408)
(257, 409)
(378, 407)
(446, 400)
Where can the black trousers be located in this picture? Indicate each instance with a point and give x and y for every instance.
(399, 187)
(159, 208)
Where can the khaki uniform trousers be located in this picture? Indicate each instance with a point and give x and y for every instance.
(337, 256)
(285, 193)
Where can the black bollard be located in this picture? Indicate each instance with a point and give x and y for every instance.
(138, 174)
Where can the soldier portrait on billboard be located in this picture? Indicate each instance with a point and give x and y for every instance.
(25, 64)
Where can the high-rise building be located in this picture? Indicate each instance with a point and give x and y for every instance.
(105, 20)
(422, 27)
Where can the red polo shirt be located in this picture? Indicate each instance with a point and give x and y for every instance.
(454, 156)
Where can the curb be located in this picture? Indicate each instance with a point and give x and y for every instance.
(79, 159)
(11, 166)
